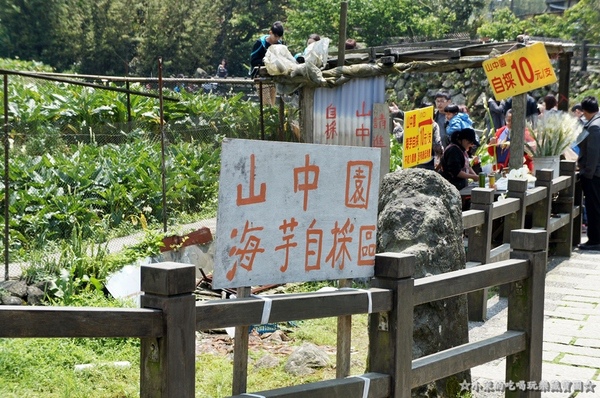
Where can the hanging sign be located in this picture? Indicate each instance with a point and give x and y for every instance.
(418, 137)
(519, 71)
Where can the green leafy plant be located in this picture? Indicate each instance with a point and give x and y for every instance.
(396, 153)
(553, 133)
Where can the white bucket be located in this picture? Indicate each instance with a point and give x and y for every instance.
(547, 162)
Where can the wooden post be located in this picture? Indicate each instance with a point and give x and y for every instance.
(342, 38)
(307, 105)
(578, 221)
(344, 339)
(517, 188)
(584, 54)
(240, 351)
(563, 237)
(167, 364)
(480, 245)
(391, 333)
(564, 76)
(517, 134)
(526, 310)
(542, 209)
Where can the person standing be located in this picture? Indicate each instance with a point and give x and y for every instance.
(442, 99)
(589, 171)
(259, 49)
(222, 69)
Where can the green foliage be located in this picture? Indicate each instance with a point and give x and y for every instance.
(396, 155)
(504, 25)
(45, 367)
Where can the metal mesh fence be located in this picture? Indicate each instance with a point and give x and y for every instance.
(80, 158)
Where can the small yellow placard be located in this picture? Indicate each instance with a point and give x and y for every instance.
(519, 71)
(418, 137)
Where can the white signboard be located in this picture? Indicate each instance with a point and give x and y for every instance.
(295, 213)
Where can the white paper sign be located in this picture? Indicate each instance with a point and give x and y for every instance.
(295, 213)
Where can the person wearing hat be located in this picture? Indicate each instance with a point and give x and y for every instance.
(455, 161)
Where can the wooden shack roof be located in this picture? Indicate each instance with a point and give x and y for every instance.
(424, 57)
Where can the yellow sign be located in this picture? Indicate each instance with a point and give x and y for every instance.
(519, 71)
(418, 137)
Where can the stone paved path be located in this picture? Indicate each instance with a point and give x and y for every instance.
(571, 351)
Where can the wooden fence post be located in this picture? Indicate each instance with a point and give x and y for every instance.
(542, 210)
(517, 188)
(578, 221)
(391, 333)
(167, 364)
(526, 311)
(584, 55)
(563, 237)
(480, 245)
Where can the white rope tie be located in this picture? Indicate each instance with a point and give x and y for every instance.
(366, 386)
(368, 292)
(266, 313)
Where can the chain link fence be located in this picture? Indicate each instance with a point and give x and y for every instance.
(89, 157)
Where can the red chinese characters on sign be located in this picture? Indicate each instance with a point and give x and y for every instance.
(249, 247)
(367, 245)
(310, 180)
(358, 181)
(380, 121)
(378, 142)
(252, 196)
(287, 228)
(519, 71)
(339, 250)
(331, 126)
(295, 212)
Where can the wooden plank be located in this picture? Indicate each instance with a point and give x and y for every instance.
(449, 284)
(557, 221)
(218, 314)
(560, 183)
(457, 359)
(505, 207)
(379, 387)
(500, 253)
(535, 195)
(473, 218)
(19, 321)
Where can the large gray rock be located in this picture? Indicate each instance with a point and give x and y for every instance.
(35, 295)
(420, 214)
(15, 288)
(305, 359)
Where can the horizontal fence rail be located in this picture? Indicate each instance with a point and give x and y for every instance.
(170, 315)
(21, 321)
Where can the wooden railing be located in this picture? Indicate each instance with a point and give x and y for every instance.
(170, 315)
(554, 205)
(582, 57)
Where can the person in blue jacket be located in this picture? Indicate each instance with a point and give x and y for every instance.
(259, 49)
(456, 120)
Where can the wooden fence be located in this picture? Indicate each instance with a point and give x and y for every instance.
(170, 315)
(586, 54)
